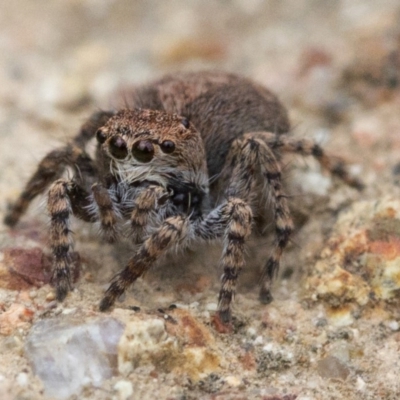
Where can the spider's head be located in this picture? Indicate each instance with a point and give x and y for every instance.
(154, 146)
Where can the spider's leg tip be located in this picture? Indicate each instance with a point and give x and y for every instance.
(265, 296)
(61, 293)
(359, 185)
(225, 316)
(9, 221)
(105, 304)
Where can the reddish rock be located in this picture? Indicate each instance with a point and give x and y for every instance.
(361, 261)
(22, 268)
(191, 331)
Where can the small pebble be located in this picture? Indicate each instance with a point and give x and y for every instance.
(269, 347)
(124, 389)
(258, 340)
(233, 381)
(22, 379)
(251, 332)
(332, 368)
(50, 296)
(360, 384)
(393, 325)
(211, 307)
(68, 311)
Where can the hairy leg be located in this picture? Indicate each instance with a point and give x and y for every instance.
(50, 168)
(255, 171)
(239, 218)
(170, 233)
(307, 147)
(60, 207)
(53, 165)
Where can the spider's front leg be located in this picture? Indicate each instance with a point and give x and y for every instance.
(65, 197)
(170, 233)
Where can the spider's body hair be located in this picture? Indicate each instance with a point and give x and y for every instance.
(150, 177)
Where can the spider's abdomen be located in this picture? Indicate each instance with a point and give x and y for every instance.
(221, 106)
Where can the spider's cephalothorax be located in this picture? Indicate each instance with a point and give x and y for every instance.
(191, 157)
(147, 147)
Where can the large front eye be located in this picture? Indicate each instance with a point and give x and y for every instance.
(143, 151)
(118, 147)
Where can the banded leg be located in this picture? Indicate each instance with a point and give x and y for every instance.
(307, 147)
(50, 168)
(238, 228)
(253, 164)
(171, 232)
(60, 208)
(146, 207)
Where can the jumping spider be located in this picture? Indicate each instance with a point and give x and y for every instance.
(192, 157)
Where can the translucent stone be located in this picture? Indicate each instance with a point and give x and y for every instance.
(332, 368)
(68, 355)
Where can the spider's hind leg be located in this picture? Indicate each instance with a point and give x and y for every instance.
(306, 147)
(54, 163)
(50, 168)
(256, 173)
(89, 128)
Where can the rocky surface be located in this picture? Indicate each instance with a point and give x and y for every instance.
(333, 330)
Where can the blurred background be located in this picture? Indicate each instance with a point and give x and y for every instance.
(335, 64)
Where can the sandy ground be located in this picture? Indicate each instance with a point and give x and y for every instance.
(333, 330)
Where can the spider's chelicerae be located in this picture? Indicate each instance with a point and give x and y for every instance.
(192, 157)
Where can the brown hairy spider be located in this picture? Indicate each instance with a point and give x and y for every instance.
(193, 157)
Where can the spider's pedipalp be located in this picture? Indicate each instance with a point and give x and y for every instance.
(146, 207)
(106, 211)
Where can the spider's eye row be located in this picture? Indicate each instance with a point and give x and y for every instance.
(101, 136)
(167, 146)
(118, 147)
(143, 151)
(185, 122)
